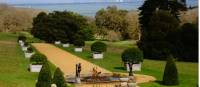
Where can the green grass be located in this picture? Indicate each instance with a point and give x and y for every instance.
(188, 72)
(13, 65)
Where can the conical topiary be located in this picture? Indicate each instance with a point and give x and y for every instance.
(170, 74)
(44, 78)
(59, 79)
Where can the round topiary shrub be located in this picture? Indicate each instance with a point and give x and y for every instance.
(170, 74)
(132, 55)
(79, 43)
(38, 59)
(98, 47)
(26, 44)
(21, 37)
(29, 50)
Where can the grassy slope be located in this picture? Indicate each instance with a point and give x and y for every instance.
(13, 66)
(112, 61)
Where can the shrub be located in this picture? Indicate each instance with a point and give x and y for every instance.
(38, 59)
(170, 74)
(98, 47)
(21, 37)
(26, 44)
(59, 79)
(79, 43)
(132, 56)
(29, 50)
(44, 78)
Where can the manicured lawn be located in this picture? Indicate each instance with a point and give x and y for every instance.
(13, 66)
(188, 72)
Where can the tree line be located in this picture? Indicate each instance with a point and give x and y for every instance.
(15, 19)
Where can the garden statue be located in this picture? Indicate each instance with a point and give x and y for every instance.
(78, 70)
(95, 73)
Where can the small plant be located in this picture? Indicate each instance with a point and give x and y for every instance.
(79, 43)
(99, 47)
(44, 78)
(38, 59)
(21, 37)
(170, 74)
(29, 50)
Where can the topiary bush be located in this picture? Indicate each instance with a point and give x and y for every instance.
(38, 59)
(79, 43)
(132, 56)
(21, 37)
(98, 47)
(44, 78)
(170, 74)
(59, 79)
(26, 44)
(29, 50)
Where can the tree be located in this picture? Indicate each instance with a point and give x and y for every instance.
(44, 78)
(59, 79)
(60, 26)
(14, 19)
(148, 10)
(132, 56)
(112, 19)
(155, 45)
(185, 42)
(170, 74)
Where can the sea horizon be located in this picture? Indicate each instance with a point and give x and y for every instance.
(89, 8)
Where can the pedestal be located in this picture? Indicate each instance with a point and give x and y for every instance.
(78, 80)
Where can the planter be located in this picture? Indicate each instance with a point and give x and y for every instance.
(78, 49)
(20, 41)
(28, 55)
(35, 68)
(97, 55)
(135, 67)
(65, 45)
(57, 42)
(21, 44)
(124, 79)
(132, 85)
(24, 48)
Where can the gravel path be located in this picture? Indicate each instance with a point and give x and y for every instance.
(64, 60)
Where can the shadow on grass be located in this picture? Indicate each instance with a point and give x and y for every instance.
(159, 82)
(119, 68)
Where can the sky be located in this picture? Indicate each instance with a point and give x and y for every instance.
(51, 1)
